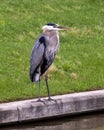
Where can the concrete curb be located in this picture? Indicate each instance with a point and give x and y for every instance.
(68, 104)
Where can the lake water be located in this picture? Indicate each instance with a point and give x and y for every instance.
(82, 122)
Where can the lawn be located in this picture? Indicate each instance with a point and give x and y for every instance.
(79, 64)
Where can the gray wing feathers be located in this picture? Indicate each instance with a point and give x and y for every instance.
(36, 56)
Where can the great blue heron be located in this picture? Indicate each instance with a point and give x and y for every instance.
(43, 53)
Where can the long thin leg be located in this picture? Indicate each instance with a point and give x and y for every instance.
(46, 79)
(39, 98)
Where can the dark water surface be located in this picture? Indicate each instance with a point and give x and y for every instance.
(93, 121)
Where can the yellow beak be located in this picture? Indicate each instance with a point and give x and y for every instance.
(63, 28)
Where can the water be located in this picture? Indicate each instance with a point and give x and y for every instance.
(87, 122)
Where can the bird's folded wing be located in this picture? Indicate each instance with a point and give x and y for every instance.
(36, 56)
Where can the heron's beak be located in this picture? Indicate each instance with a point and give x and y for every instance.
(63, 28)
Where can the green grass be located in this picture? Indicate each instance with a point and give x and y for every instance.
(79, 65)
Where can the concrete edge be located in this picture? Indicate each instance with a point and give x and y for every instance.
(69, 104)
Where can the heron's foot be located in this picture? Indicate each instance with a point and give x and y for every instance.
(50, 99)
(40, 100)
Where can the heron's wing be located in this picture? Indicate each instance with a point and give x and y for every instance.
(49, 57)
(37, 56)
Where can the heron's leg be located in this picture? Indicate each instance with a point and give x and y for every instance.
(39, 89)
(39, 98)
(46, 79)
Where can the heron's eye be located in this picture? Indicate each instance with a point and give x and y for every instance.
(55, 26)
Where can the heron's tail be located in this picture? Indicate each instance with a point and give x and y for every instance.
(34, 77)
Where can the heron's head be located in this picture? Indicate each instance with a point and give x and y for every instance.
(53, 26)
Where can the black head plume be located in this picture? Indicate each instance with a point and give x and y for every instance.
(51, 24)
